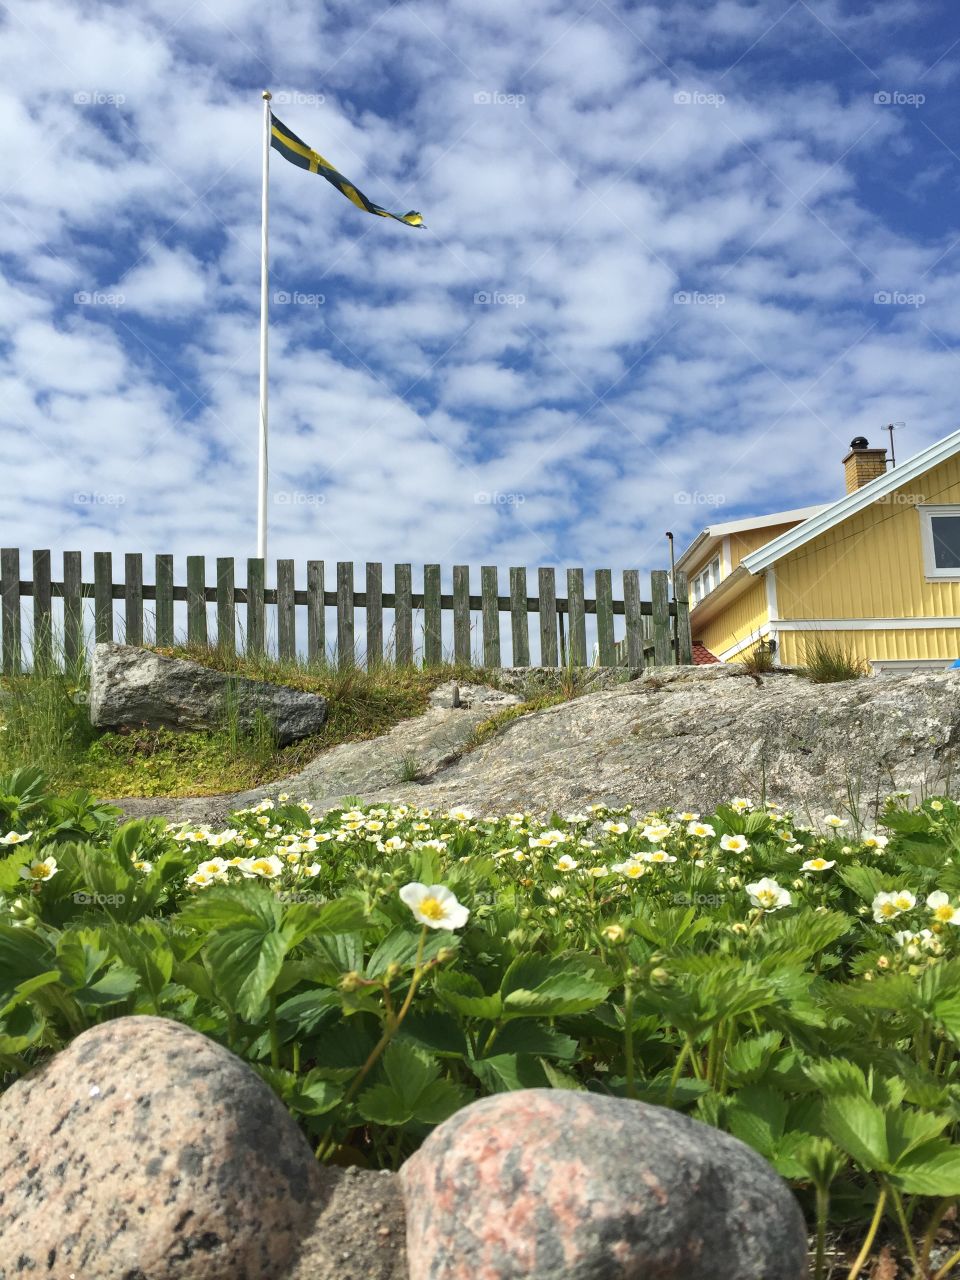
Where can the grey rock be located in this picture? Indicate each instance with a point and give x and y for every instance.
(554, 1184)
(446, 695)
(145, 1149)
(131, 686)
(677, 737)
(359, 1232)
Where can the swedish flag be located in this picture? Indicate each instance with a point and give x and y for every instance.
(297, 152)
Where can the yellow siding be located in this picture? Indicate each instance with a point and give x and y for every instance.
(871, 565)
(909, 645)
(742, 544)
(740, 620)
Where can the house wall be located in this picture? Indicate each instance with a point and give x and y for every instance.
(871, 567)
(742, 544)
(740, 620)
(874, 646)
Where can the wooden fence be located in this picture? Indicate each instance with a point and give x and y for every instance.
(656, 630)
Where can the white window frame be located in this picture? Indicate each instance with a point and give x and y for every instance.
(703, 576)
(932, 572)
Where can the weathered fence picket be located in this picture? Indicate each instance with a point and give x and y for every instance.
(655, 630)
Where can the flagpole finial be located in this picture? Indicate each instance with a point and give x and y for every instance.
(267, 95)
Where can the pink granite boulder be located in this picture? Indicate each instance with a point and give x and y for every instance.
(145, 1151)
(555, 1184)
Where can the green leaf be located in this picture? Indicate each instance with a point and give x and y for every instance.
(400, 947)
(463, 994)
(757, 1117)
(932, 1170)
(858, 1126)
(412, 1090)
(246, 962)
(20, 1029)
(505, 1072)
(552, 986)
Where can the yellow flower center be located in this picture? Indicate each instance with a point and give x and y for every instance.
(38, 871)
(944, 913)
(889, 909)
(432, 908)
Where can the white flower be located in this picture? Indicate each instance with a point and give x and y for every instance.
(14, 837)
(597, 872)
(632, 868)
(394, 844)
(311, 869)
(659, 831)
(224, 837)
(740, 804)
(460, 815)
(702, 829)
(939, 905)
(434, 905)
(887, 906)
(214, 867)
(265, 867)
(200, 880)
(615, 828)
(833, 821)
(817, 864)
(145, 867)
(658, 856)
(42, 870)
(766, 893)
(734, 844)
(875, 842)
(566, 863)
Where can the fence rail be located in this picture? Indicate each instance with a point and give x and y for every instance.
(656, 630)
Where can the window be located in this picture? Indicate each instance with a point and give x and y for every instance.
(940, 534)
(705, 581)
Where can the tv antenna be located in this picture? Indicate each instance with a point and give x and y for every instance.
(889, 428)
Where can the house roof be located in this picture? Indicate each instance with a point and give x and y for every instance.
(836, 512)
(716, 532)
(702, 657)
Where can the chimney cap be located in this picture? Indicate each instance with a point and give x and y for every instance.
(859, 442)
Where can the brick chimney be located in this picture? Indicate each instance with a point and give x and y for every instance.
(863, 464)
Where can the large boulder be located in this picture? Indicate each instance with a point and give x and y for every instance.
(144, 1149)
(130, 686)
(547, 1184)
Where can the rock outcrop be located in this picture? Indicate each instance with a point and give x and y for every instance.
(131, 686)
(683, 737)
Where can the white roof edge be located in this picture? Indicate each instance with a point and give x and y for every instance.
(764, 522)
(836, 512)
(753, 522)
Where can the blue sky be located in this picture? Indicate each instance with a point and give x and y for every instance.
(682, 216)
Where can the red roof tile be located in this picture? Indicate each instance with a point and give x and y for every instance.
(702, 657)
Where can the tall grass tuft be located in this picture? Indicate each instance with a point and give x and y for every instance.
(827, 662)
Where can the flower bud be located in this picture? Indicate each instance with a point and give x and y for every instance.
(351, 981)
(445, 955)
(883, 962)
(392, 971)
(659, 977)
(614, 934)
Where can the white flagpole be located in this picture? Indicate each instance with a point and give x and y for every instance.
(264, 308)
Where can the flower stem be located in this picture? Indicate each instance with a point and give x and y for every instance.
(628, 1038)
(905, 1227)
(823, 1202)
(950, 1262)
(392, 1023)
(274, 1033)
(871, 1235)
(931, 1232)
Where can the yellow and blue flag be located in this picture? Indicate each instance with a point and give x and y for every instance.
(297, 152)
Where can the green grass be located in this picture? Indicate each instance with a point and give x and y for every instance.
(828, 662)
(43, 726)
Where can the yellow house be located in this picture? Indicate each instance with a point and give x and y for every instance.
(876, 572)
